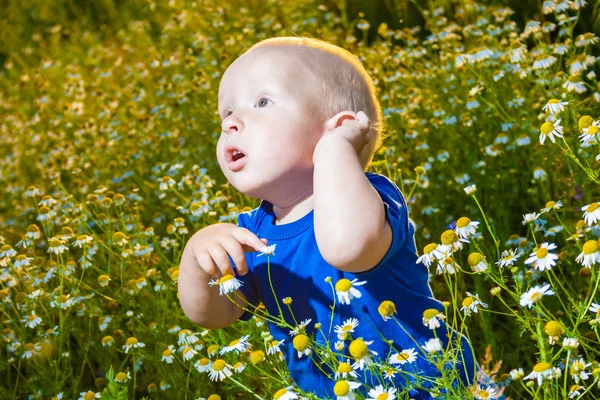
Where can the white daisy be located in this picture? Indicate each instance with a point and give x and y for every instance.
(445, 265)
(203, 365)
(273, 346)
(239, 345)
(555, 106)
(590, 254)
(343, 389)
(132, 343)
(433, 345)
(485, 394)
(509, 257)
(32, 320)
(471, 303)
(347, 327)
(379, 393)
(540, 372)
(542, 259)
(219, 370)
(346, 291)
(590, 134)
(432, 317)
(529, 218)
(552, 205)
(535, 294)
(465, 227)
(167, 355)
(592, 213)
(89, 395)
(577, 370)
(570, 343)
(431, 252)
(359, 349)
(345, 369)
(285, 394)
(517, 374)
(227, 284)
(595, 308)
(549, 129)
(300, 327)
(267, 250)
(405, 356)
(302, 345)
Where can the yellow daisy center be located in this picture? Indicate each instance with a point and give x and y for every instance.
(382, 396)
(449, 237)
(344, 368)
(592, 207)
(483, 394)
(592, 130)
(118, 236)
(341, 388)
(585, 122)
(131, 341)
(347, 328)
(121, 376)
(515, 44)
(89, 396)
(462, 222)
(225, 279)
(300, 342)
(212, 348)
(474, 259)
(28, 346)
(167, 353)
(218, 365)
(546, 128)
(536, 296)
(467, 302)
(54, 243)
(214, 397)
(343, 285)
(541, 253)
(107, 339)
(590, 247)
(541, 367)
(358, 348)
(553, 101)
(429, 248)
(386, 308)
(234, 343)
(186, 350)
(430, 313)
(274, 343)
(204, 361)
(553, 328)
(279, 393)
(257, 356)
(550, 204)
(403, 356)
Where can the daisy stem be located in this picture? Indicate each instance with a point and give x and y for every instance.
(542, 342)
(187, 381)
(565, 377)
(332, 309)
(487, 224)
(533, 235)
(272, 289)
(18, 375)
(245, 388)
(413, 188)
(134, 373)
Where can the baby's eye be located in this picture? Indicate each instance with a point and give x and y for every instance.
(261, 100)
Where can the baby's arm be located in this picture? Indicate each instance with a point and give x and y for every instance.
(351, 228)
(206, 257)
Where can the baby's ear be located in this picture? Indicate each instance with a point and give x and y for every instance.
(338, 119)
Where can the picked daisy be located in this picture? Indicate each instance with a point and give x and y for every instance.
(542, 259)
(406, 356)
(267, 250)
(465, 227)
(550, 130)
(555, 106)
(343, 389)
(219, 370)
(239, 345)
(590, 254)
(359, 349)
(535, 294)
(592, 213)
(379, 393)
(347, 327)
(509, 257)
(541, 371)
(432, 317)
(472, 304)
(346, 290)
(227, 284)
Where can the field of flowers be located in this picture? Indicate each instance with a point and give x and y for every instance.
(108, 166)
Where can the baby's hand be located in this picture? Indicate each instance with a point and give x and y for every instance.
(354, 130)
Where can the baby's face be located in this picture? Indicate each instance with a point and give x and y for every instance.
(266, 113)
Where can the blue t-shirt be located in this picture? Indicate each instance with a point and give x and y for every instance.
(298, 271)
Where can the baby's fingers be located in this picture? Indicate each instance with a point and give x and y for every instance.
(249, 241)
(221, 258)
(235, 250)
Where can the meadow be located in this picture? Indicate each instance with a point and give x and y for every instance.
(108, 166)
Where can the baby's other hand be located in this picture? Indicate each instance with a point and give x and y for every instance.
(354, 127)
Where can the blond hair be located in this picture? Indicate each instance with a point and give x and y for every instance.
(340, 80)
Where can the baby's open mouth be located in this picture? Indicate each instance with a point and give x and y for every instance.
(237, 155)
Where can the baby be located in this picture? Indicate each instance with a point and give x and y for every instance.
(300, 124)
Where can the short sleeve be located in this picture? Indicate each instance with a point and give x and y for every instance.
(249, 287)
(396, 213)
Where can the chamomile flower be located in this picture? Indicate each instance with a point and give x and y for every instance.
(574, 391)
(267, 250)
(592, 213)
(347, 327)
(167, 355)
(509, 257)
(219, 370)
(188, 353)
(273, 346)
(32, 320)
(239, 345)
(452, 241)
(433, 345)
(530, 218)
(517, 374)
(484, 394)
(89, 395)
(362, 354)
(542, 259)
(406, 356)
(555, 106)
(239, 367)
(446, 265)
(432, 317)
(302, 345)
(553, 329)
(551, 205)
(285, 394)
(551, 130)
(590, 134)
(570, 343)
(431, 252)
(590, 254)
(31, 349)
(379, 393)
(346, 290)
(386, 309)
(300, 327)
(595, 308)
(132, 343)
(541, 371)
(465, 227)
(227, 284)
(469, 190)
(477, 262)
(343, 389)
(472, 304)
(535, 294)
(577, 370)
(56, 247)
